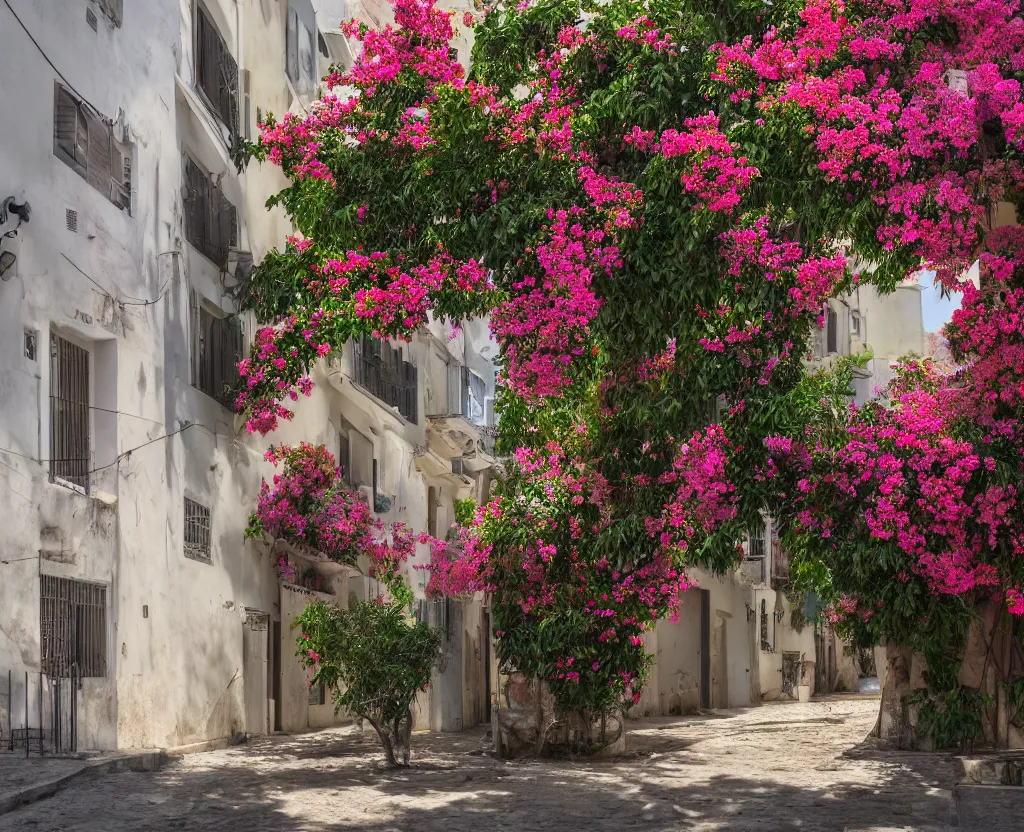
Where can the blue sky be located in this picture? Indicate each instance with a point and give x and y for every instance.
(937, 310)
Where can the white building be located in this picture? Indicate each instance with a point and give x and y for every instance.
(794, 650)
(127, 479)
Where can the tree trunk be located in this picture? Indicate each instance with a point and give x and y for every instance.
(387, 744)
(895, 728)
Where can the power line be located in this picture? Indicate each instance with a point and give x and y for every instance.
(131, 302)
(46, 57)
(120, 456)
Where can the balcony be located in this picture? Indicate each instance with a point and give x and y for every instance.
(463, 394)
(378, 369)
(461, 414)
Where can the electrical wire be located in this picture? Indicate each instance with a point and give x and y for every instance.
(120, 456)
(132, 302)
(46, 57)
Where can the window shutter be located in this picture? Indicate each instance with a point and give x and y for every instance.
(292, 46)
(98, 167)
(112, 9)
(194, 337)
(832, 331)
(65, 123)
(246, 127)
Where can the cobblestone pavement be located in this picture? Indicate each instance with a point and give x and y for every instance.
(794, 767)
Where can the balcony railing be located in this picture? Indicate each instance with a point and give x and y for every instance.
(380, 370)
(463, 393)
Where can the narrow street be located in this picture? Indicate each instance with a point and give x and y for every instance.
(778, 767)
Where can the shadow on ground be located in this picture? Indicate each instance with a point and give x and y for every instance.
(726, 776)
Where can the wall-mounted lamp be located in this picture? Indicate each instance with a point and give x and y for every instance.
(7, 261)
(10, 210)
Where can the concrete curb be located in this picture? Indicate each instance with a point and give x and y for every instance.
(145, 761)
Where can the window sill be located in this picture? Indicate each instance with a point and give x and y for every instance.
(211, 124)
(70, 486)
(383, 405)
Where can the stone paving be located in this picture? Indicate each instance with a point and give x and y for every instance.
(787, 766)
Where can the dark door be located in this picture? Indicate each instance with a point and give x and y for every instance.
(275, 684)
(705, 648)
(487, 667)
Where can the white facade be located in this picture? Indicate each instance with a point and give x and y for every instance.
(793, 651)
(177, 650)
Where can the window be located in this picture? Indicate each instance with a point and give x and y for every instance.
(432, 511)
(318, 694)
(381, 370)
(70, 450)
(211, 221)
(855, 323)
(112, 9)
(85, 142)
(197, 531)
(474, 393)
(832, 332)
(345, 457)
(300, 52)
(216, 72)
(216, 351)
(72, 627)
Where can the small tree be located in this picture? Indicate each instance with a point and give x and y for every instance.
(371, 656)
(375, 661)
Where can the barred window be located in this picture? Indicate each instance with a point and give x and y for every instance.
(216, 350)
(197, 531)
(85, 142)
(211, 220)
(73, 627)
(70, 451)
(318, 694)
(216, 71)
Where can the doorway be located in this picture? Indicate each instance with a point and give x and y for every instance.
(254, 670)
(705, 648)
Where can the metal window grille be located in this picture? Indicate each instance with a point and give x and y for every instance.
(73, 627)
(70, 451)
(197, 531)
(84, 140)
(216, 350)
(211, 221)
(216, 71)
(380, 369)
(318, 694)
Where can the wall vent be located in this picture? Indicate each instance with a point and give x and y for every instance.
(90, 18)
(71, 219)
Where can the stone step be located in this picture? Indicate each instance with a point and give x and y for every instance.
(1001, 769)
(989, 808)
